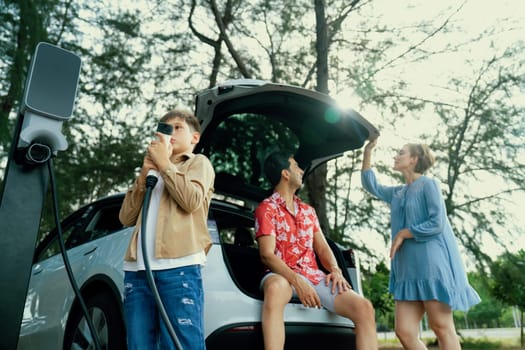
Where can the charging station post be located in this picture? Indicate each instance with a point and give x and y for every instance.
(48, 100)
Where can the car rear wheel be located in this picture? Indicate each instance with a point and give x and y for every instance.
(107, 319)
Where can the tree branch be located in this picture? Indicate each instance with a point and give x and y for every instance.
(224, 36)
(421, 42)
(194, 30)
(480, 199)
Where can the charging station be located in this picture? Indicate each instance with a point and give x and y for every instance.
(48, 101)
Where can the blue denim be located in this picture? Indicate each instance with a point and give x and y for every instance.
(182, 295)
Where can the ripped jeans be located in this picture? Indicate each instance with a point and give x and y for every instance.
(182, 295)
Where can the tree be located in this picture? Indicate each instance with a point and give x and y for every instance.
(476, 131)
(281, 20)
(106, 134)
(326, 30)
(139, 62)
(316, 183)
(508, 283)
(113, 58)
(375, 288)
(481, 141)
(245, 165)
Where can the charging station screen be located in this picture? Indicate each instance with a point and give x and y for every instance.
(52, 82)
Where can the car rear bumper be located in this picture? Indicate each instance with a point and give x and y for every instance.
(298, 336)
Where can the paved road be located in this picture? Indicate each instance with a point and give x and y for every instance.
(491, 333)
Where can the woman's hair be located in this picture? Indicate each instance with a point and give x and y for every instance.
(190, 119)
(425, 158)
(274, 164)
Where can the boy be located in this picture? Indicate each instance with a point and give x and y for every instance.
(177, 239)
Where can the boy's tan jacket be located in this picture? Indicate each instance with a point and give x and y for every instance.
(183, 211)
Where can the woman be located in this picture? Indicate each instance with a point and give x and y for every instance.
(427, 274)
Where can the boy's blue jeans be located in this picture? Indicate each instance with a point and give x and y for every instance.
(182, 295)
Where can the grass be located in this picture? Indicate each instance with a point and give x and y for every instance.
(466, 344)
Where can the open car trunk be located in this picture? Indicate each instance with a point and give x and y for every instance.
(244, 121)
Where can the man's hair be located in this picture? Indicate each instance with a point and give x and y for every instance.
(274, 165)
(190, 119)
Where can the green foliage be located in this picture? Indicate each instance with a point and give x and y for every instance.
(375, 288)
(482, 141)
(509, 280)
(488, 313)
(245, 140)
(102, 146)
(350, 221)
(482, 344)
(22, 27)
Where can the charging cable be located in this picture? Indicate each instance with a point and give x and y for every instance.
(38, 155)
(151, 181)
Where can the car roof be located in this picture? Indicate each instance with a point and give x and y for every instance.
(322, 129)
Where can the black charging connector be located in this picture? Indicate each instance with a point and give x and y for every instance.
(38, 153)
(151, 181)
(67, 265)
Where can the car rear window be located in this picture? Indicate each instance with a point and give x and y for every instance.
(239, 146)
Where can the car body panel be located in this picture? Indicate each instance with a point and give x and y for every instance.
(222, 294)
(50, 295)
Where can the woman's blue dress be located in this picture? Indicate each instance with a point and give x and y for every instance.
(429, 266)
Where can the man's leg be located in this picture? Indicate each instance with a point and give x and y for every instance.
(408, 316)
(442, 323)
(277, 293)
(353, 306)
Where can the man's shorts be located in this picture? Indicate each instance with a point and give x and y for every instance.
(323, 291)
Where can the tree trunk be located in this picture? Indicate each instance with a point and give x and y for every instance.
(316, 183)
(521, 331)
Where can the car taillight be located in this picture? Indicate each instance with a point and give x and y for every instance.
(250, 328)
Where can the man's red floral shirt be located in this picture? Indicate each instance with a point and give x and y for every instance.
(294, 234)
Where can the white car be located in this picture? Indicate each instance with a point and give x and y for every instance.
(242, 121)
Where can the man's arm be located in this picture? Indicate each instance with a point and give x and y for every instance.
(305, 292)
(327, 259)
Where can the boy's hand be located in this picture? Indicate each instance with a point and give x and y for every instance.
(147, 165)
(160, 151)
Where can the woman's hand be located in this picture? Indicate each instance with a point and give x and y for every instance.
(371, 144)
(398, 241)
(367, 154)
